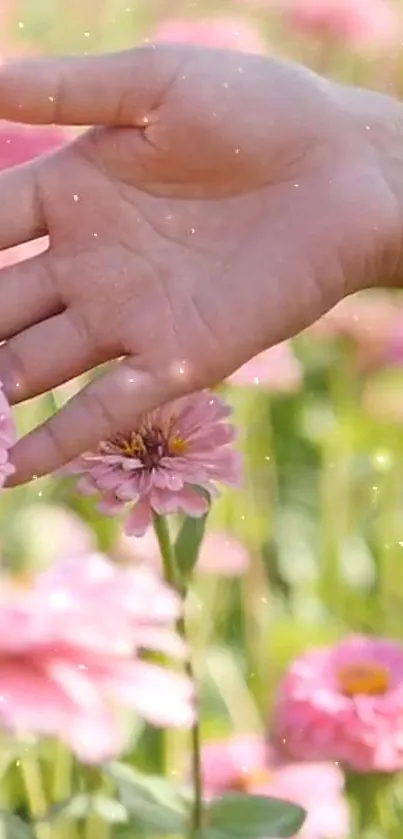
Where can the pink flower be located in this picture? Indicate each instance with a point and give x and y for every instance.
(218, 32)
(220, 553)
(275, 369)
(71, 653)
(345, 704)
(244, 763)
(161, 466)
(7, 438)
(359, 23)
(231, 763)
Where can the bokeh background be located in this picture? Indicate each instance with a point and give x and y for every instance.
(311, 550)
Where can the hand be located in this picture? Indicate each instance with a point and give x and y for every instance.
(229, 201)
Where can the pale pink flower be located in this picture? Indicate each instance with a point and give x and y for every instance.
(276, 369)
(358, 23)
(8, 437)
(232, 762)
(161, 466)
(345, 704)
(230, 33)
(71, 653)
(244, 763)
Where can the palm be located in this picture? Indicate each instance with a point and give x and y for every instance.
(225, 218)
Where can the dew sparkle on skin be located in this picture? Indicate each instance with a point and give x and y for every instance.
(179, 369)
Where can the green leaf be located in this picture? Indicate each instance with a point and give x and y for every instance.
(71, 809)
(10, 752)
(188, 544)
(109, 809)
(12, 827)
(150, 799)
(79, 807)
(252, 817)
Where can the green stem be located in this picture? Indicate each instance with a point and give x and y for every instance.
(61, 788)
(167, 552)
(371, 804)
(61, 779)
(36, 798)
(195, 739)
(96, 827)
(172, 576)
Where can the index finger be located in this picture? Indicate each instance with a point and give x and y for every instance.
(116, 88)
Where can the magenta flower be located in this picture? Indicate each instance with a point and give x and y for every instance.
(71, 654)
(276, 369)
(218, 32)
(7, 438)
(358, 23)
(345, 704)
(244, 763)
(162, 464)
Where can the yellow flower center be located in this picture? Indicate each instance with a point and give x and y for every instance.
(248, 781)
(367, 677)
(178, 446)
(149, 444)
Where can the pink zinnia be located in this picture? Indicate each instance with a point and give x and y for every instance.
(218, 32)
(244, 763)
(7, 438)
(71, 653)
(360, 23)
(345, 704)
(161, 466)
(275, 369)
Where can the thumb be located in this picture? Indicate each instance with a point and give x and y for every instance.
(108, 406)
(116, 88)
